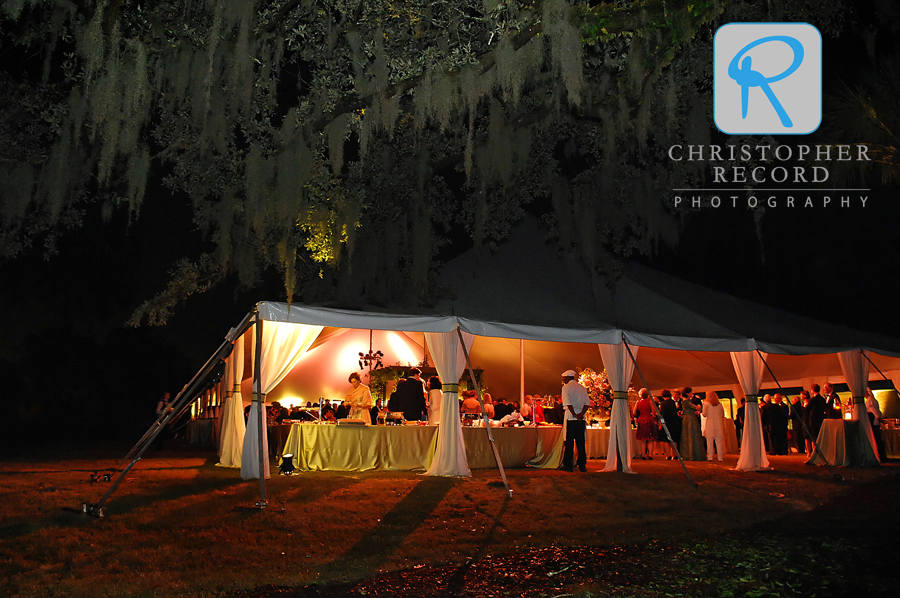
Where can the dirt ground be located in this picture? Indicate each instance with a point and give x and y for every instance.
(179, 526)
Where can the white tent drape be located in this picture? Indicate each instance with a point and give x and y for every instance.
(619, 369)
(233, 427)
(283, 345)
(749, 367)
(226, 387)
(450, 361)
(856, 371)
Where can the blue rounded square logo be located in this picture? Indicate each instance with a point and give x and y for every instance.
(767, 78)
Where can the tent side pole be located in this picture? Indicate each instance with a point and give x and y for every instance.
(661, 419)
(484, 415)
(878, 370)
(260, 398)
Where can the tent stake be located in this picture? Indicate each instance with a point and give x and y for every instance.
(484, 416)
(661, 419)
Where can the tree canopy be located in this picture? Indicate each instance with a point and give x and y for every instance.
(344, 143)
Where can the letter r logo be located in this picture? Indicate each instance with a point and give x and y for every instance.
(767, 78)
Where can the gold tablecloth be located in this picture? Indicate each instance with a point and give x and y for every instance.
(843, 443)
(891, 439)
(360, 448)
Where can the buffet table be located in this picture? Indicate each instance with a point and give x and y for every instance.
(359, 448)
(843, 443)
(891, 439)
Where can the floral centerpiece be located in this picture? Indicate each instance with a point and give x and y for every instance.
(599, 390)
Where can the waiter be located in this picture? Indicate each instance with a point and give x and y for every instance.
(575, 402)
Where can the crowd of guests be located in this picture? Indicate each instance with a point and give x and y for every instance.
(681, 411)
(695, 426)
(792, 427)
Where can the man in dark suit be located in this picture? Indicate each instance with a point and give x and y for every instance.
(765, 418)
(832, 402)
(739, 422)
(778, 424)
(817, 410)
(502, 408)
(411, 396)
(669, 411)
(343, 410)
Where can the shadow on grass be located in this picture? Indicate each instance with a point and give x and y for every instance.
(199, 488)
(457, 582)
(395, 527)
(72, 516)
(17, 527)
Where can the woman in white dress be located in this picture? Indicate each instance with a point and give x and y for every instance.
(714, 413)
(435, 398)
(360, 399)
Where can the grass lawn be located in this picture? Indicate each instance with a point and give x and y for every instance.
(179, 526)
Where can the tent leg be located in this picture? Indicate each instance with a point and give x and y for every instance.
(260, 399)
(662, 420)
(487, 422)
(179, 404)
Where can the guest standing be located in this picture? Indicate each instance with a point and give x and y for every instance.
(411, 395)
(669, 413)
(765, 418)
(526, 410)
(470, 403)
(715, 426)
(832, 402)
(691, 439)
(343, 410)
(435, 398)
(818, 411)
(875, 416)
(778, 425)
(646, 423)
(796, 431)
(538, 408)
(502, 408)
(806, 419)
(575, 401)
(739, 422)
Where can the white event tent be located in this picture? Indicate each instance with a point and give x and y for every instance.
(528, 295)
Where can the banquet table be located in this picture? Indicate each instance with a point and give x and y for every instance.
(360, 448)
(731, 445)
(891, 439)
(278, 435)
(843, 443)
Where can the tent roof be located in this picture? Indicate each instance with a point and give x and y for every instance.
(528, 290)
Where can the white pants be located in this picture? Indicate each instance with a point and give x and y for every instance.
(719, 446)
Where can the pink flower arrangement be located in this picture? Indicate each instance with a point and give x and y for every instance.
(598, 387)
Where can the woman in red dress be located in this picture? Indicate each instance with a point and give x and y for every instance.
(646, 423)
